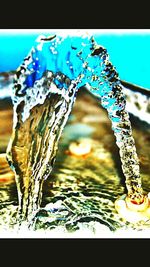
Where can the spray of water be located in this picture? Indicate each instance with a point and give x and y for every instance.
(45, 88)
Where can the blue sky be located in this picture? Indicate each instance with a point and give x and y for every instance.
(129, 51)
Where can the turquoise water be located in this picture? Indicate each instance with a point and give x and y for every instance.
(129, 53)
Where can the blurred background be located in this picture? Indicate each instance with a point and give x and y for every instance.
(81, 190)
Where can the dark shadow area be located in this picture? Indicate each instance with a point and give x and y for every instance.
(6, 103)
(138, 124)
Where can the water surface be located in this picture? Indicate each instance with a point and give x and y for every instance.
(78, 196)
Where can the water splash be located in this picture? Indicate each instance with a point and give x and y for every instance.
(44, 91)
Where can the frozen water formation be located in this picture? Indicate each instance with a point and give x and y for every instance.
(44, 91)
